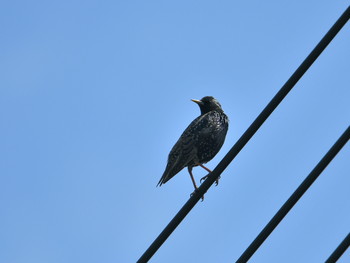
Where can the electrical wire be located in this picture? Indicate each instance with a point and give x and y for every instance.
(343, 246)
(294, 198)
(248, 134)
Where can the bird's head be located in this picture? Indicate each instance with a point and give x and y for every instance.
(207, 104)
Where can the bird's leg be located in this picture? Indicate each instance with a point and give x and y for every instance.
(192, 178)
(193, 181)
(209, 171)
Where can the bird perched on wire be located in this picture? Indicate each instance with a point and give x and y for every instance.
(200, 142)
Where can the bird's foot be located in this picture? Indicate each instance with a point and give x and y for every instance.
(196, 191)
(205, 177)
(217, 181)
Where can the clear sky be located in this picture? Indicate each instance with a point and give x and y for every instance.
(93, 95)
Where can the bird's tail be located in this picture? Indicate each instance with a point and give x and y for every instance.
(169, 173)
(171, 169)
(165, 177)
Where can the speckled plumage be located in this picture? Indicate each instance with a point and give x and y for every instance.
(200, 142)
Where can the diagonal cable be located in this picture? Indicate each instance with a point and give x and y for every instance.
(294, 198)
(339, 251)
(276, 100)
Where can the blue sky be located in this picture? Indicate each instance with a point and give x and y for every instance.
(93, 95)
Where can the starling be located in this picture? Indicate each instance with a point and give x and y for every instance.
(200, 142)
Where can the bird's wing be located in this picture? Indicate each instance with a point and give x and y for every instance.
(180, 155)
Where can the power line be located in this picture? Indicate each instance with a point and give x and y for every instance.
(293, 199)
(343, 246)
(276, 100)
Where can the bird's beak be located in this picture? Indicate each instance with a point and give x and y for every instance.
(199, 102)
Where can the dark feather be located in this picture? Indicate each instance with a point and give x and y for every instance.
(201, 140)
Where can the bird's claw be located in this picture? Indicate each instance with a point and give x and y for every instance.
(205, 177)
(217, 181)
(196, 191)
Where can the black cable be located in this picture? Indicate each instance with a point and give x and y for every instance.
(293, 199)
(343, 246)
(276, 100)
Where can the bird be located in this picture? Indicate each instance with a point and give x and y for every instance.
(200, 141)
